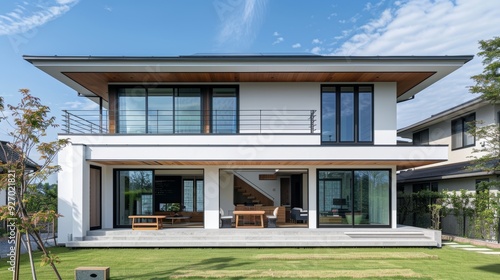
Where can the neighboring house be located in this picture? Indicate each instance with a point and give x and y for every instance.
(218, 132)
(8, 154)
(449, 128)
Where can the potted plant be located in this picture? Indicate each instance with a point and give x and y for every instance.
(175, 207)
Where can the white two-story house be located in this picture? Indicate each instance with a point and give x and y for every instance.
(226, 132)
(450, 128)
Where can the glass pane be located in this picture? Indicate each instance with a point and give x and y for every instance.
(334, 192)
(328, 116)
(188, 190)
(456, 137)
(188, 111)
(160, 110)
(371, 197)
(132, 110)
(199, 196)
(469, 122)
(134, 195)
(365, 113)
(347, 114)
(224, 114)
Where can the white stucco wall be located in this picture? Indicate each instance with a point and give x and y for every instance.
(385, 114)
(73, 182)
(307, 96)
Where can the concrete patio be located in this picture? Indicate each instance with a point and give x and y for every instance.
(403, 236)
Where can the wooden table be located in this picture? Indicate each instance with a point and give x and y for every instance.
(138, 224)
(250, 213)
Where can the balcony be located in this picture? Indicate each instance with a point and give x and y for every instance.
(166, 122)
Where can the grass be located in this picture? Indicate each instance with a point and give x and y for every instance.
(284, 263)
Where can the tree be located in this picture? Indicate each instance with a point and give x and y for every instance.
(30, 122)
(488, 85)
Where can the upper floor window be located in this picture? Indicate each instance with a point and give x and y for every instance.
(171, 110)
(460, 137)
(421, 137)
(347, 114)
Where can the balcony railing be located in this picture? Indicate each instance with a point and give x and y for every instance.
(191, 122)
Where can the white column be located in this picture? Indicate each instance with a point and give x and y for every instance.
(313, 206)
(70, 180)
(78, 181)
(211, 197)
(394, 200)
(107, 197)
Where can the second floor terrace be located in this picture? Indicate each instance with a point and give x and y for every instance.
(168, 122)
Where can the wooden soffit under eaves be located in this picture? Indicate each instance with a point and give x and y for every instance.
(98, 82)
(406, 164)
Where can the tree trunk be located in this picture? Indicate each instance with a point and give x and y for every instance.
(15, 275)
(30, 254)
(39, 241)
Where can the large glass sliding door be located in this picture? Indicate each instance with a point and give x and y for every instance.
(188, 110)
(133, 195)
(183, 109)
(132, 108)
(354, 198)
(160, 110)
(224, 110)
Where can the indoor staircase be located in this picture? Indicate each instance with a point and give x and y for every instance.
(249, 194)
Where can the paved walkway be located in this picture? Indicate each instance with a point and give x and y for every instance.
(472, 248)
(5, 246)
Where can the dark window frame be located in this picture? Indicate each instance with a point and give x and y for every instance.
(353, 197)
(116, 173)
(421, 137)
(463, 122)
(206, 95)
(337, 128)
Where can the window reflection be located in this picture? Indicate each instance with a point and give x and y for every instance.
(347, 114)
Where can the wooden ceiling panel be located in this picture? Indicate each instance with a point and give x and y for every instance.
(400, 164)
(98, 82)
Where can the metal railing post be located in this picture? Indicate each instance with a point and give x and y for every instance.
(311, 117)
(260, 121)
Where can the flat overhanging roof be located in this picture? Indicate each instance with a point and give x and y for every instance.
(91, 75)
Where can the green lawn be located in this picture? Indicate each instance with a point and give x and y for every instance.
(339, 263)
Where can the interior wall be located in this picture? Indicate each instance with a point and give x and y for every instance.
(226, 184)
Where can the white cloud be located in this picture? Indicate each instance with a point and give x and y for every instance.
(77, 105)
(240, 20)
(27, 16)
(278, 40)
(317, 41)
(316, 50)
(276, 33)
(296, 45)
(429, 27)
(332, 15)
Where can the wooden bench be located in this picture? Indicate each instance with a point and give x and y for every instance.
(137, 222)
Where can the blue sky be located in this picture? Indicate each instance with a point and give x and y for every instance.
(183, 27)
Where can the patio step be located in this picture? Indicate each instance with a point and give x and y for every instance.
(278, 237)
